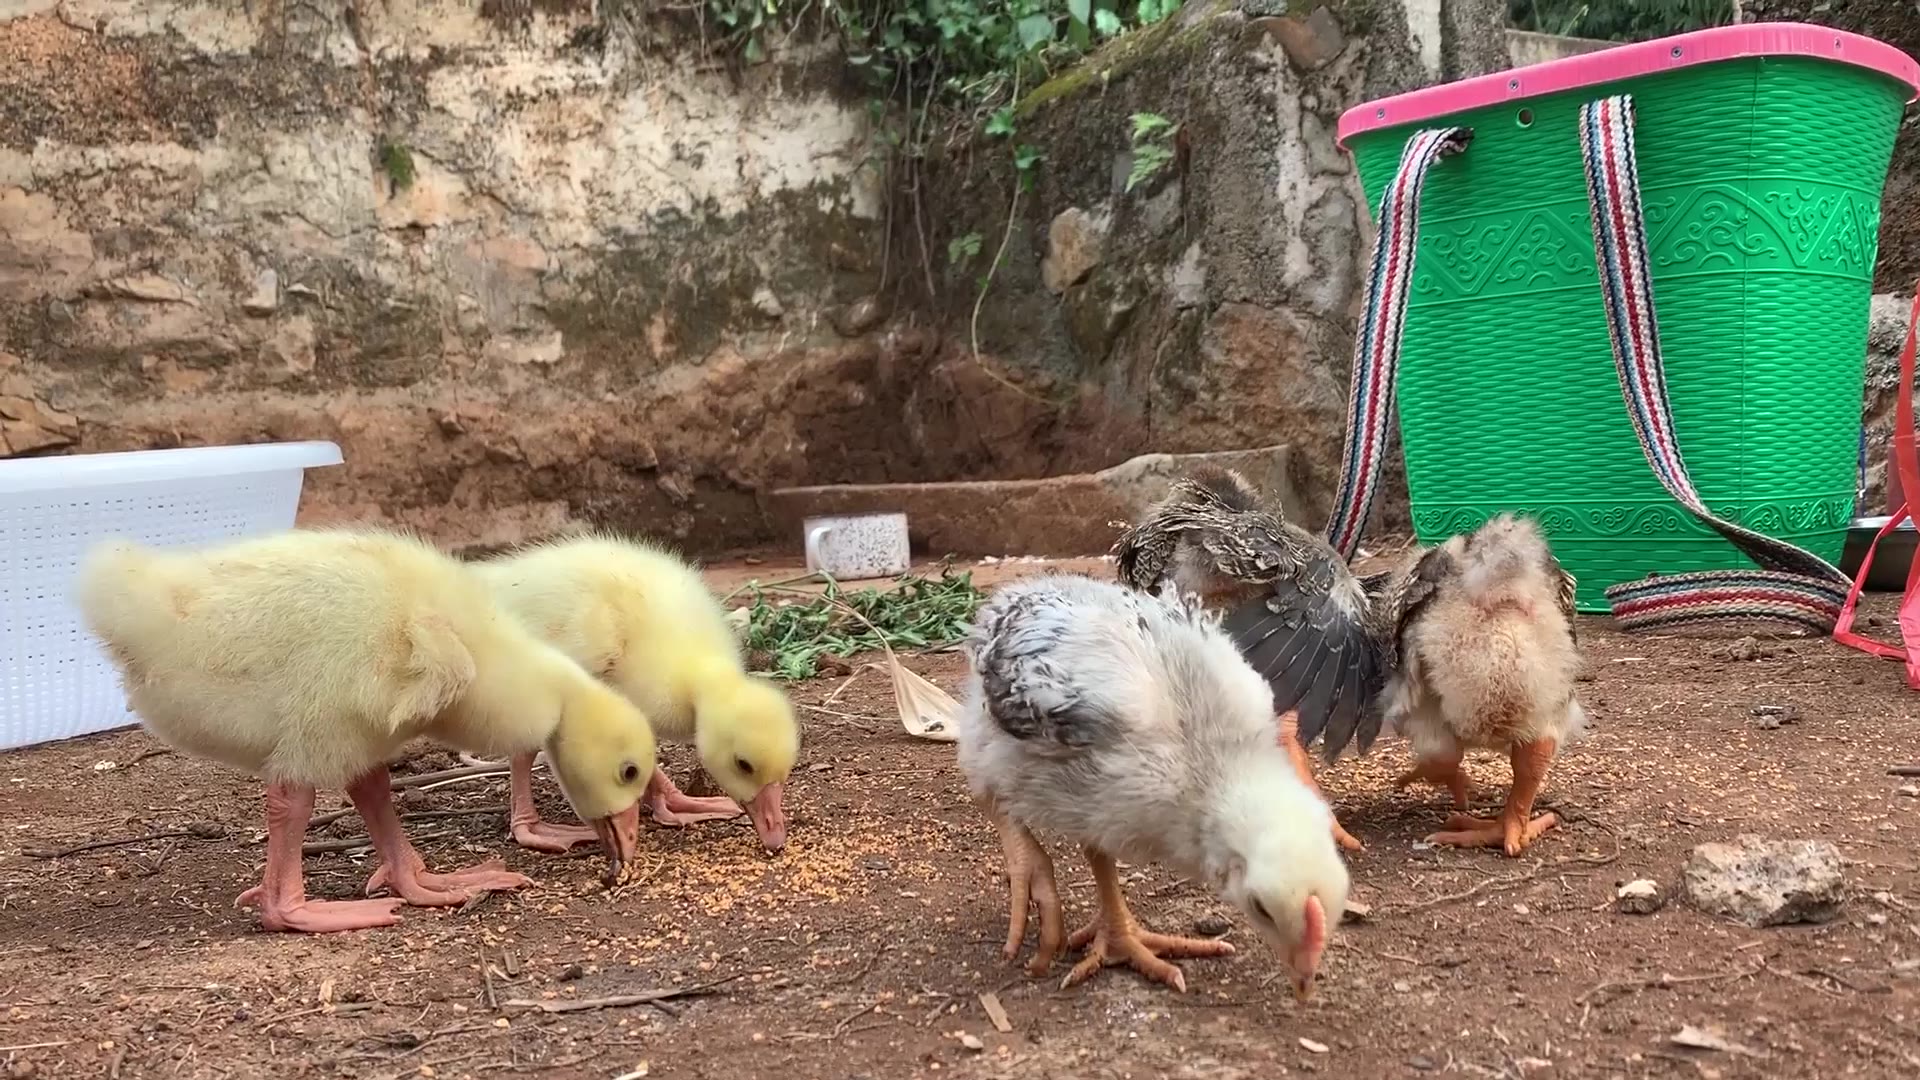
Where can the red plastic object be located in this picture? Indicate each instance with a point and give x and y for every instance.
(1905, 463)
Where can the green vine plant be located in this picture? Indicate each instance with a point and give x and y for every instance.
(938, 72)
(1152, 139)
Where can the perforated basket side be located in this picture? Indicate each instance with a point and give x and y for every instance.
(1762, 180)
(55, 680)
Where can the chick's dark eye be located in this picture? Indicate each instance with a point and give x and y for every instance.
(629, 773)
(1260, 909)
(743, 765)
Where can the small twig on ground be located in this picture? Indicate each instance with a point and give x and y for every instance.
(873, 961)
(851, 679)
(158, 751)
(839, 1029)
(31, 1046)
(1795, 976)
(344, 1008)
(622, 1001)
(1490, 883)
(1840, 980)
(1904, 770)
(835, 713)
(462, 773)
(331, 816)
(1664, 979)
(486, 976)
(758, 584)
(203, 830)
(355, 843)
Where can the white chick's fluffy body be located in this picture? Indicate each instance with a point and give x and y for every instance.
(1131, 724)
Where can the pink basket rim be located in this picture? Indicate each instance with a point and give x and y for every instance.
(1631, 61)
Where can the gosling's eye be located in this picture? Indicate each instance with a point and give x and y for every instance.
(743, 765)
(629, 773)
(1260, 909)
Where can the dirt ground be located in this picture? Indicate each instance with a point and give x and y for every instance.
(864, 949)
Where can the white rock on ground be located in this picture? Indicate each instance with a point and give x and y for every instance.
(1640, 896)
(1763, 882)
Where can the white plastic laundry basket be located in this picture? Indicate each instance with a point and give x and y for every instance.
(55, 680)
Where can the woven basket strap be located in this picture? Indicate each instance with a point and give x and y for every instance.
(1376, 345)
(1793, 585)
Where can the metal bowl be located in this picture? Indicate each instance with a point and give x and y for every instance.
(1890, 563)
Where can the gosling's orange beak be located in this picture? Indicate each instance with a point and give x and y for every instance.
(769, 817)
(619, 837)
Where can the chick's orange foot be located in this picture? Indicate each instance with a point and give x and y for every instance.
(668, 805)
(1345, 839)
(1114, 938)
(1510, 834)
(1516, 827)
(1030, 883)
(1110, 944)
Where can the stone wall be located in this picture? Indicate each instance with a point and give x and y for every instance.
(1213, 305)
(526, 268)
(540, 262)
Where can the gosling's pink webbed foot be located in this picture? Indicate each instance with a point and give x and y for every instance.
(401, 869)
(281, 895)
(319, 916)
(538, 835)
(422, 888)
(668, 805)
(529, 831)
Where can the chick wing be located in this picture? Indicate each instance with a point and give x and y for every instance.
(1292, 607)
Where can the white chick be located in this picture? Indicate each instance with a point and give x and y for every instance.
(1130, 724)
(310, 658)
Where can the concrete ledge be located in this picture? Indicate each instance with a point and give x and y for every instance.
(1057, 515)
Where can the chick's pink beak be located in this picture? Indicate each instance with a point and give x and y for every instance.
(769, 817)
(1306, 956)
(620, 838)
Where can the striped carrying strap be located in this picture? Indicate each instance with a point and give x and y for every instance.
(1793, 585)
(1376, 345)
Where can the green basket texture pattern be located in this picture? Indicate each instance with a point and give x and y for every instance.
(1762, 182)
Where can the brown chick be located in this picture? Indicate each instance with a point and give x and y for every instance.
(1482, 626)
(1297, 613)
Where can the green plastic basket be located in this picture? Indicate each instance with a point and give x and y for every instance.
(1762, 153)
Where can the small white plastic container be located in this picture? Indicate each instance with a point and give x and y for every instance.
(55, 680)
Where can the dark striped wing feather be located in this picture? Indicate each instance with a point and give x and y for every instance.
(1309, 633)
(1312, 639)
